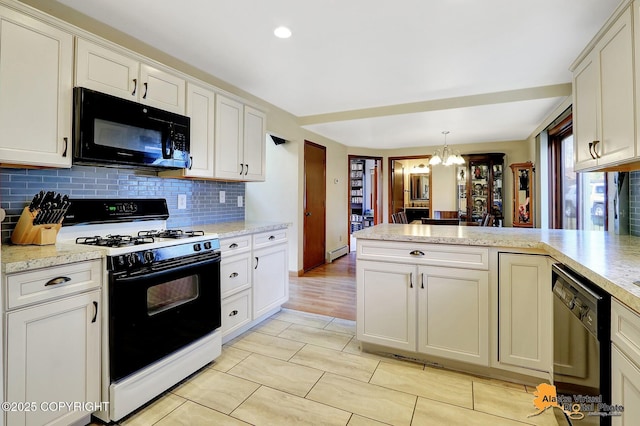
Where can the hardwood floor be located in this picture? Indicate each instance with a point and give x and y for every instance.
(329, 289)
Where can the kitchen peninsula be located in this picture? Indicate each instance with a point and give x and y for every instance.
(476, 298)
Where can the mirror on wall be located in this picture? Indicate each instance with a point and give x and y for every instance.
(523, 194)
(419, 186)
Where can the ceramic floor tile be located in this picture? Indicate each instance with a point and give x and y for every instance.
(357, 420)
(502, 383)
(340, 363)
(315, 336)
(303, 318)
(430, 412)
(265, 344)
(342, 326)
(192, 414)
(230, 356)
(367, 400)
(154, 411)
(428, 383)
(509, 403)
(281, 375)
(216, 390)
(272, 327)
(271, 407)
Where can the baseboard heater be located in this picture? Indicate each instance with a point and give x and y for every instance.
(336, 253)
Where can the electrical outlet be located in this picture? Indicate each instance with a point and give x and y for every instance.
(240, 200)
(182, 201)
(222, 197)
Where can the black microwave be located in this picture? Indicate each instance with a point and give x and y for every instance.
(111, 131)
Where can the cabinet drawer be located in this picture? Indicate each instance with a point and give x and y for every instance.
(425, 254)
(265, 239)
(236, 311)
(43, 284)
(625, 330)
(233, 245)
(235, 273)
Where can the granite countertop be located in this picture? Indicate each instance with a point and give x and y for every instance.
(611, 261)
(17, 258)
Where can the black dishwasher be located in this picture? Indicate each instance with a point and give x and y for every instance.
(581, 346)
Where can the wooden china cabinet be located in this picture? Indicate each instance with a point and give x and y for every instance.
(479, 187)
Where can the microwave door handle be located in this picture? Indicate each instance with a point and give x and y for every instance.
(168, 146)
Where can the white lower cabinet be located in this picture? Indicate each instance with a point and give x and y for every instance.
(625, 363)
(525, 311)
(254, 279)
(53, 354)
(438, 311)
(453, 314)
(270, 273)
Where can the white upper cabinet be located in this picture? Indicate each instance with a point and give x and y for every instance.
(108, 71)
(36, 81)
(254, 144)
(604, 101)
(240, 141)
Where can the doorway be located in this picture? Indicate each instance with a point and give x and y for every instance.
(315, 193)
(365, 194)
(410, 187)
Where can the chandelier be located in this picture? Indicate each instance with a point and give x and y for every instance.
(448, 157)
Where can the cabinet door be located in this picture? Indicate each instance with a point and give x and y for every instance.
(616, 93)
(104, 70)
(53, 354)
(525, 310)
(161, 89)
(453, 313)
(625, 388)
(228, 145)
(386, 304)
(270, 279)
(36, 81)
(201, 108)
(585, 110)
(254, 144)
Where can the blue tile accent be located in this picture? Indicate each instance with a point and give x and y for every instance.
(18, 186)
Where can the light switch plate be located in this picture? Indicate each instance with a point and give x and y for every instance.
(240, 200)
(222, 197)
(182, 201)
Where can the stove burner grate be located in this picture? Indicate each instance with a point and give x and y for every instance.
(115, 240)
(170, 233)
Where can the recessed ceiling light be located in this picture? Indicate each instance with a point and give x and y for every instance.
(282, 32)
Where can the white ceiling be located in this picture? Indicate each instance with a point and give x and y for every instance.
(380, 73)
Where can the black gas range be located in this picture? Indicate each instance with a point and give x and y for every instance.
(162, 290)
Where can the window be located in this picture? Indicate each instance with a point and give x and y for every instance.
(578, 200)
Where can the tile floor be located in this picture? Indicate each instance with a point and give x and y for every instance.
(305, 369)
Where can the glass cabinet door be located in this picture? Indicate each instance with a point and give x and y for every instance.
(480, 178)
(480, 188)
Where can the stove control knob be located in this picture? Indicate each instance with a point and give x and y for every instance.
(207, 245)
(197, 247)
(149, 256)
(133, 259)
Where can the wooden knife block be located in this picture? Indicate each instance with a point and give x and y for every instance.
(28, 233)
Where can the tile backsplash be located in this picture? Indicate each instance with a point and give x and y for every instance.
(18, 186)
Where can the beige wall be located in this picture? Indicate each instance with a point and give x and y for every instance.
(281, 197)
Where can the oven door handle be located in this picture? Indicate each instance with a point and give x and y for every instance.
(159, 272)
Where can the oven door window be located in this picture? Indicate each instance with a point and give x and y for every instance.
(172, 294)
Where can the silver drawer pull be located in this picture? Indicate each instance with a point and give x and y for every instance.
(233, 313)
(235, 274)
(56, 281)
(417, 253)
(234, 245)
